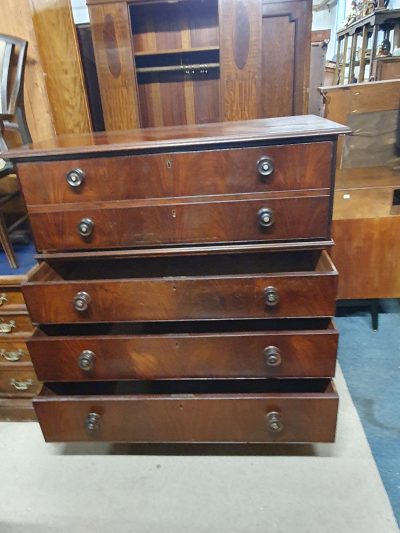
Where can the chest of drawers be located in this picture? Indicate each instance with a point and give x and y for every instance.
(184, 291)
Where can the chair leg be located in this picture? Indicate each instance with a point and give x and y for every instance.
(6, 243)
(375, 314)
(23, 125)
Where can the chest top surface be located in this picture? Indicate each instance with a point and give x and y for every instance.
(197, 136)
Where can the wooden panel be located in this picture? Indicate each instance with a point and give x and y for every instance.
(17, 409)
(201, 221)
(197, 135)
(240, 45)
(16, 19)
(369, 267)
(286, 43)
(111, 32)
(59, 51)
(221, 289)
(305, 416)
(237, 354)
(363, 203)
(296, 166)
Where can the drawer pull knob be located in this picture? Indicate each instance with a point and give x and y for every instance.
(21, 385)
(271, 296)
(273, 356)
(85, 227)
(75, 177)
(274, 422)
(3, 299)
(81, 301)
(266, 217)
(86, 360)
(93, 422)
(12, 356)
(6, 327)
(265, 166)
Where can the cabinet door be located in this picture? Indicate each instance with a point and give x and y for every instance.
(265, 57)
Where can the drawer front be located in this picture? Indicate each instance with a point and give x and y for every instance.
(183, 299)
(226, 355)
(13, 352)
(11, 300)
(20, 380)
(305, 217)
(13, 325)
(296, 166)
(224, 418)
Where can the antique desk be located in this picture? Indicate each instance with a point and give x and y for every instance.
(184, 291)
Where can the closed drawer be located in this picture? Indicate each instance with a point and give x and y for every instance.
(235, 349)
(13, 352)
(19, 380)
(270, 285)
(11, 300)
(13, 325)
(205, 220)
(291, 166)
(231, 411)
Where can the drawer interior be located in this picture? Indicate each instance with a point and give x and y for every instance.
(188, 328)
(186, 266)
(190, 387)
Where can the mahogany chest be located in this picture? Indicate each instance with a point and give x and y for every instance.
(184, 291)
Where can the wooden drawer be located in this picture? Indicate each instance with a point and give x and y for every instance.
(296, 166)
(13, 325)
(13, 352)
(19, 380)
(11, 300)
(204, 220)
(280, 284)
(205, 411)
(236, 349)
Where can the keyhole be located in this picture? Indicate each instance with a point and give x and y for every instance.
(169, 163)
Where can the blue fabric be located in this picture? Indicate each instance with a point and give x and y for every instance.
(370, 361)
(25, 261)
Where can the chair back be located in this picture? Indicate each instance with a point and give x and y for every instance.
(12, 65)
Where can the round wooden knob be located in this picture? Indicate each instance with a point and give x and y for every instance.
(266, 217)
(272, 356)
(75, 177)
(81, 301)
(93, 422)
(85, 227)
(274, 423)
(271, 296)
(86, 360)
(265, 166)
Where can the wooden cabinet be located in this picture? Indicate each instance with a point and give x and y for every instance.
(165, 320)
(188, 62)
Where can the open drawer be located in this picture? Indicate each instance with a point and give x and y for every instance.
(249, 285)
(181, 350)
(192, 411)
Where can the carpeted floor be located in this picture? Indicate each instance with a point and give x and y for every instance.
(370, 361)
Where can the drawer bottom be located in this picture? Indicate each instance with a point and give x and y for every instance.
(234, 411)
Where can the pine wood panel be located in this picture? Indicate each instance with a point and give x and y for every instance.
(111, 33)
(59, 52)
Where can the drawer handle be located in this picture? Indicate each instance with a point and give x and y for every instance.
(21, 385)
(81, 301)
(75, 177)
(86, 360)
(3, 299)
(266, 217)
(92, 422)
(85, 227)
(265, 166)
(271, 296)
(12, 356)
(273, 356)
(6, 327)
(274, 423)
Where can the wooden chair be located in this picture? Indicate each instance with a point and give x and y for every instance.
(12, 117)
